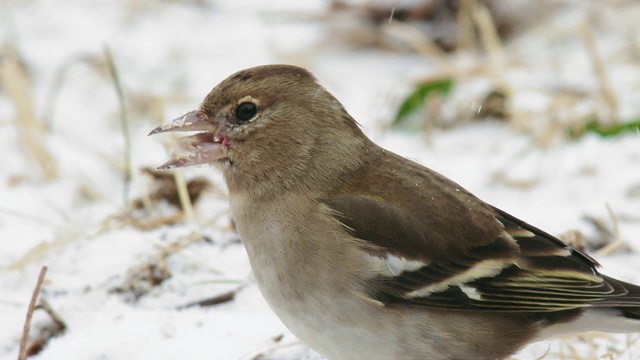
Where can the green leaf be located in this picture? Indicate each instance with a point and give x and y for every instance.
(416, 99)
(608, 130)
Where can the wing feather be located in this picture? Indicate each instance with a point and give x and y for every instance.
(522, 269)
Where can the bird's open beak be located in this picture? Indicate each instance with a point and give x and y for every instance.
(204, 147)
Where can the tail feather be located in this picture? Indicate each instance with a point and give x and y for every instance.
(619, 313)
(629, 304)
(628, 298)
(630, 313)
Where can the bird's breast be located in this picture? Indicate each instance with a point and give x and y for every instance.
(313, 291)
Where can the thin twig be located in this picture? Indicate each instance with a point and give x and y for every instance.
(123, 122)
(27, 324)
(272, 349)
(212, 301)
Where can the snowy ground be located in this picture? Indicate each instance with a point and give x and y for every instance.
(168, 56)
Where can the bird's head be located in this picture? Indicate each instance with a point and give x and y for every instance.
(270, 124)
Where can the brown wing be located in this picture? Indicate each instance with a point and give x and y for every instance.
(521, 269)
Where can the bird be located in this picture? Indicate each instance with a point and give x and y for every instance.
(365, 254)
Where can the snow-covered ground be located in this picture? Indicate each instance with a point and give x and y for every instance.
(168, 56)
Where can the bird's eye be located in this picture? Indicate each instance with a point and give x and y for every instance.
(246, 111)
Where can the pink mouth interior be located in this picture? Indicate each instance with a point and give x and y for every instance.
(220, 139)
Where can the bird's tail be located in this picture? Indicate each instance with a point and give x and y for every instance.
(618, 313)
(631, 313)
(628, 304)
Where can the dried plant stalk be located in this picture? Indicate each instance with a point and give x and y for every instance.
(31, 132)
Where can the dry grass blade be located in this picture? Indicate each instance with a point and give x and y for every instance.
(604, 87)
(27, 217)
(123, 122)
(27, 323)
(31, 132)
(95, 63)
(618, 243)
(545, 353)
(466, 35)
(39, 251)
(488, 33)
(418, 41)
(183, 195)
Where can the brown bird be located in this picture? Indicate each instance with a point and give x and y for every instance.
(365, 254)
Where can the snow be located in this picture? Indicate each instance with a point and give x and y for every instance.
(169, 55)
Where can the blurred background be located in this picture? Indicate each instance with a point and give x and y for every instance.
(531, 105)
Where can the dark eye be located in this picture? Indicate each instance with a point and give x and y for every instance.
(246, 111)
